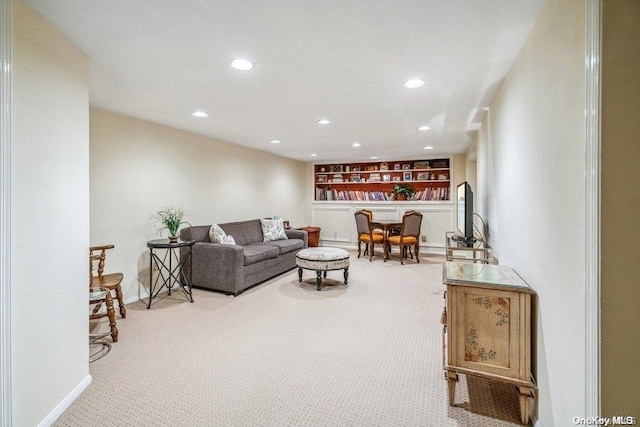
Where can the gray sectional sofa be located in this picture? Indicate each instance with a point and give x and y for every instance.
(233, 268)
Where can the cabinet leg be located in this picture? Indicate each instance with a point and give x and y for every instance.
(526, 396)
(452, 379)
(299, 274)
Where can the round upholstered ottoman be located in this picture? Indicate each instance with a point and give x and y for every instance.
(321, 260)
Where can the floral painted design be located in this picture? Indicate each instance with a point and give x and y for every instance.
(502, 310)
(473, 352)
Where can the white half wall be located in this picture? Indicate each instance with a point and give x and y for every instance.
(50, 219)
(138, 167)
(531, 180)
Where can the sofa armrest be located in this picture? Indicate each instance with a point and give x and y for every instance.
(219, 266)
(298, 234)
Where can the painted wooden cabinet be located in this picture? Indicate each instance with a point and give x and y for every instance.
(487, 330)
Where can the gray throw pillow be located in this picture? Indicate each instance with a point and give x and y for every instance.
(272, 229)
(217, 234)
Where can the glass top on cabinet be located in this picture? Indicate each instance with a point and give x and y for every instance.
(497, 276)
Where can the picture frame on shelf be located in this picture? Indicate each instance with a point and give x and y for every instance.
(396, 178)
(396, 167)
(423, 176)
(442, 177)
(386, 177)
(406, 176)
(355, 169)
(406, 166)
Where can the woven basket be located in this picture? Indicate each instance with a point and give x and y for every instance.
(314, 235)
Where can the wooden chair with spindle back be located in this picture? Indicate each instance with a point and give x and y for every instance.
(110, 281)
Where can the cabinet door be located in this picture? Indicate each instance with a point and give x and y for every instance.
(486, 324)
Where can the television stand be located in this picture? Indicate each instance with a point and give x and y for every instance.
(463, 241)
(459, 248)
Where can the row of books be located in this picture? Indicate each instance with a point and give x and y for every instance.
(438, 193)
(441, 193)
(332, 194)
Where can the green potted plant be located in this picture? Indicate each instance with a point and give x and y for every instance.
(402, 192)
(171, 219)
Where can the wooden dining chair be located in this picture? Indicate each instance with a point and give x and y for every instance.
(110, 281)
(374, 231)
(366, 234)
(409, 236)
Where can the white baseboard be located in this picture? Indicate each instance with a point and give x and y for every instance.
(66, 402)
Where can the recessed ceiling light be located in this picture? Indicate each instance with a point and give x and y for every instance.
(275, 141)
(323, 122)
(428, 147)
(413, 83)
(373, 158)
(424, 128)
(242, 64)
(199, 114)
(355, 144)
(314, 155)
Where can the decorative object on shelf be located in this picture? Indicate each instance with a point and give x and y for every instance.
(384, 166)
(407, 176)
(395, 178)
(402, 192)
(439, 164)
(421, 165)
(396, 167)
(422, 176)
(386, 177)
(406, 166)
(171, 219)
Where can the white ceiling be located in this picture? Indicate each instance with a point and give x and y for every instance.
(160, 60)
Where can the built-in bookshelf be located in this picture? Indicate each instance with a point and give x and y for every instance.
(374, 181)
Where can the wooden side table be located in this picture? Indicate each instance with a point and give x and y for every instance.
(487, 330)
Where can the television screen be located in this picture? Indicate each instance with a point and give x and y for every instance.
(464, 200)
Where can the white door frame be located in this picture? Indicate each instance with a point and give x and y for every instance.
(592, 229)
(5, 211)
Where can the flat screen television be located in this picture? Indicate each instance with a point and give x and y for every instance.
(464, 200)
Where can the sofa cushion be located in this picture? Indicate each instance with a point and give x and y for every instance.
(235, 229)
(286, 246)
(255, 252)
(272, 229)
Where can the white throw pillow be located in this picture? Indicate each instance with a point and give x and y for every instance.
(272, 229)
(229, 240)
(217, 234)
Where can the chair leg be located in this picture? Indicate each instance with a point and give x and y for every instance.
(417, 252)
(370, 251)
(403, 250)
(359, 243)
(112, 317)
(123, 309)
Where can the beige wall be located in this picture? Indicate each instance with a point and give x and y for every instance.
(138, 167)
(50, 220)
(620, 289)
(531, 169)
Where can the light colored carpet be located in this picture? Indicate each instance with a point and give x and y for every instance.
(284, 354)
